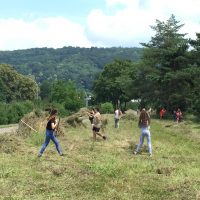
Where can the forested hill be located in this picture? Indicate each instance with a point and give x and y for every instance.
(67, 63)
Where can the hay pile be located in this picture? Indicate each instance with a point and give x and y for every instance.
(130, 115)
(81, 119)
(9, 143)
(38, 120)
(77, 119)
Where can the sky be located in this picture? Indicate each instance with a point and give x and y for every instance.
(89, 23)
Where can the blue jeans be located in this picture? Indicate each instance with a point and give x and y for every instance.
(50, 136)
(145, 132)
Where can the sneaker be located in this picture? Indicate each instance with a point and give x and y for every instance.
(61, 154)
(39, 155)
(150, 155)
(135, 152)
(104, 137)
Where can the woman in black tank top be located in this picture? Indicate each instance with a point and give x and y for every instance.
(50, 127)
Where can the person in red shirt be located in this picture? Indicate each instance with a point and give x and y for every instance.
(162, 113)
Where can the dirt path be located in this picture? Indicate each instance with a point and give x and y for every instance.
(10, 129)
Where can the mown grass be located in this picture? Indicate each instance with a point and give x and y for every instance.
(104, 169)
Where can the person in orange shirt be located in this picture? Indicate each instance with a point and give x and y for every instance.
(162, 113)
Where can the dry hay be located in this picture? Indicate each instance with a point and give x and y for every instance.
(81, 119)
(104, 121)
(130, 115)
(78, 119)
(10, 143)
(36, 122)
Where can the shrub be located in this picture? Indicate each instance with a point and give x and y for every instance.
(132, 105)
(4, 117)
(13, 112)
(106, 108)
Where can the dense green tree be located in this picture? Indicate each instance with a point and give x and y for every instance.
(113, 82)
(163, 65)
(3, 91)
(195, 52)
(68, 95)
(16, 87)
(194, 57)
(46, 90)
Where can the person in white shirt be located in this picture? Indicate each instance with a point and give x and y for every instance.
(118, 114)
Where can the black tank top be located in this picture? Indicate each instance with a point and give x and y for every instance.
(49, 124)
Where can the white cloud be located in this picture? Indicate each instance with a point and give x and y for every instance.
(46, 32)
(122, 23)
(131, 24)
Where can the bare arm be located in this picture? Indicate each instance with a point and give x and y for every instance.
(54, 125)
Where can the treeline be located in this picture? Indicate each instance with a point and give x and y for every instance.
(81, 65)
(20, 94)
(168, 74)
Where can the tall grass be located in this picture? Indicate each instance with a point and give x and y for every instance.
(36, 138)
(106, 169)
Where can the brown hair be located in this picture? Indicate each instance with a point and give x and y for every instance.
(144, 118)
(52, 113)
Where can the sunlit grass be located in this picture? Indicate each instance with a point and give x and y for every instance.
(104, 169)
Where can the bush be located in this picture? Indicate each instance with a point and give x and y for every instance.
(4, 117)
(61, 109)
(132, 105)
(106, 108)
(12, 113)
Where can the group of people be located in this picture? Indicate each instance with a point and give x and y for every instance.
(96, 123)
(177, 114)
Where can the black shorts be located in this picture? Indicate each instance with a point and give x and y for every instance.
(96, 129)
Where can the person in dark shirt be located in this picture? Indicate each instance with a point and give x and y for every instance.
(50, 127)
(144, 124)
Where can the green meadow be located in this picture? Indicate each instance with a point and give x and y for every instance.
(104, 170)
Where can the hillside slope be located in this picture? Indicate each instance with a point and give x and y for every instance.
(67, 63)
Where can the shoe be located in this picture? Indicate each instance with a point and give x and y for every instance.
(150, 155)
(104, 137)
(135, 152)
(61, 154)
(39, 155)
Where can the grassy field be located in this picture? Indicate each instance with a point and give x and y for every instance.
(104, 170)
